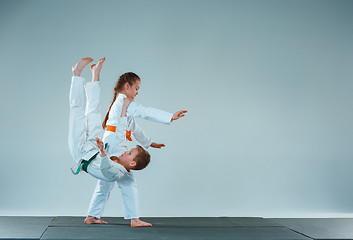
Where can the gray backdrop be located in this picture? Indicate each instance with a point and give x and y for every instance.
(268, 86)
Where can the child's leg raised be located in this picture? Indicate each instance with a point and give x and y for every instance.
(77, 130)
(80, 65)
(96, 69)
(93, 115)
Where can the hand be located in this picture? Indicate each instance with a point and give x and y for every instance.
(179, 114)
(126, 102)
(100, 145)
(157, 145)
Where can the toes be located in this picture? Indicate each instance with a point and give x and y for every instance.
(87, 59)
(87, 222)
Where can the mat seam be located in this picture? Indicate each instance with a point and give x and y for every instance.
(300, 233)
(47, 228)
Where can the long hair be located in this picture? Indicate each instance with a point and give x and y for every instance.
(129, 78)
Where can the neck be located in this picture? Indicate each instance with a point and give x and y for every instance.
(117, 160)
(114, 159)
(123, 92)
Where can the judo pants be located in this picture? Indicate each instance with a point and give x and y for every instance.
(84, 124)
(84, 128)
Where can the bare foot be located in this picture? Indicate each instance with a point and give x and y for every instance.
(96, 69)
(93, 220)
(138, 223)
(78, 67)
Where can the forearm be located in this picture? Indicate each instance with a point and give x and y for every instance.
(138, 111)
(140, 135)
(123, 111)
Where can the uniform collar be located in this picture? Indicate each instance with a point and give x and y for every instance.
(121, 95)
(120, 167)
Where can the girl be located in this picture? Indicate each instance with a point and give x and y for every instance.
(85, 130)
(127, 86)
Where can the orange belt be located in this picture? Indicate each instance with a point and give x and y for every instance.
(113, 129)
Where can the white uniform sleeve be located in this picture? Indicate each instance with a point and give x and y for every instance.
(148, 113)
(109, 171)
(139, 135)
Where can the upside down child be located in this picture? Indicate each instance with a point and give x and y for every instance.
(88, 150)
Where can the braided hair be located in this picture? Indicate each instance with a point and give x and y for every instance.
(129, 78)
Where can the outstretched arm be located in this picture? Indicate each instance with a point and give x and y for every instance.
(140, 135)
(176, 116)
(143, 139)
(136, 110)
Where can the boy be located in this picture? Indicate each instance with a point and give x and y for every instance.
(86, 147)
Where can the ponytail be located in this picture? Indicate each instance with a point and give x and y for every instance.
(129, 78)
(104, 124)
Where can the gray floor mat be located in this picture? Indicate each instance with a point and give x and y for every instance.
(320, 228)
(156, 233)
(66, 221)
(175, 221)
(14, 227)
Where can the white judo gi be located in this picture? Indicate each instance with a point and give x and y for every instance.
(128, 186)
(85, 127)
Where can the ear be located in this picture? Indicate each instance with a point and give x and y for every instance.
(132, 164)
(127, 86)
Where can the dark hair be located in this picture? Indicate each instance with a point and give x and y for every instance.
(142, 159)
(129, 78)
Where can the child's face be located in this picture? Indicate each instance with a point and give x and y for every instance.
(132, 91)
(127, 158)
